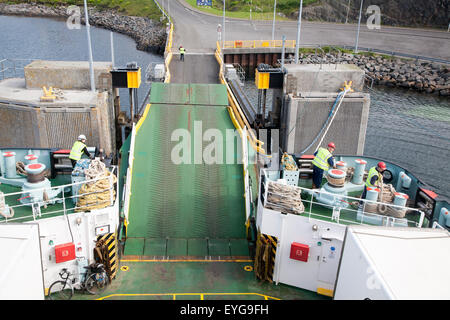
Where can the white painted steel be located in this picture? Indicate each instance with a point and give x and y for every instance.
(127, 188)
(21, 276)
(394, 263)
(324, 238)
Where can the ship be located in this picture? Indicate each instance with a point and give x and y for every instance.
(171, 220)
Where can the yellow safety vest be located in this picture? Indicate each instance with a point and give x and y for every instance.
(77, 150)
(321, 159)
(182, 50)
(373, 172)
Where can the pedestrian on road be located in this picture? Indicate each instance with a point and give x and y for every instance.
(182, 51)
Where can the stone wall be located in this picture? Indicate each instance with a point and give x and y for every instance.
(393, 72)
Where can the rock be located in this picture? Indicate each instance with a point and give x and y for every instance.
(419, 86)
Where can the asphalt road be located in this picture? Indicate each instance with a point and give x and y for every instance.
(192, 69)
(197, 32)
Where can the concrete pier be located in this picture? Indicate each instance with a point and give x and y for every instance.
(310, 92)
(32, 122)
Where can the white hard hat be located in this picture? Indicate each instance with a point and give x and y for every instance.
(81, 137)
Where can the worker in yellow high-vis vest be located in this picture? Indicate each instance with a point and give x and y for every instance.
(182, 52)
(323, 160)
(374, 178)
(78, 148)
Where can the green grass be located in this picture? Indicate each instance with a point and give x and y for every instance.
(326, 49)
(142, 8)
(261, 9)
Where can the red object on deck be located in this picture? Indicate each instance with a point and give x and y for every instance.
(337, 172)
(62, 151)
(429, 193)
(65, 252)
(299, 251)
(35, 166)
(307, 156)
(8, 154)
(401, 194)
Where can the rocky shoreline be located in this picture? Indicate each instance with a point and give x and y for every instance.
(415, 75)
(149, 35)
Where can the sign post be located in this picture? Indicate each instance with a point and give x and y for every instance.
(206, 3)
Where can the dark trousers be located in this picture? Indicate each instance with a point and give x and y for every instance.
(182, 56)
(74, 162)
(317, 176)
(363, 195)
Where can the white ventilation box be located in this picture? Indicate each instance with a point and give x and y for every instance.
(382, 263)
(159, 71)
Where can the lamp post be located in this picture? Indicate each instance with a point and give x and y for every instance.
(274, 16)
(91, 63)
(299, 26)
(348, 10)
(223, 27)
(359, 26)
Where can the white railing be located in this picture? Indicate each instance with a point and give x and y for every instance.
(127, 188)
(335, 209)
(37, 213)
(437, 226)
(13, 68)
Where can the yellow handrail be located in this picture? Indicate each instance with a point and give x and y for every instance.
(239, 116)
(252, 44)
(168, 51)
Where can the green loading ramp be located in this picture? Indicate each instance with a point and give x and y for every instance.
(185, 209)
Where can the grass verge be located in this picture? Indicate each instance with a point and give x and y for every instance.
(261, 9)
(141, 8)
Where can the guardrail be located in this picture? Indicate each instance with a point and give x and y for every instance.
(13, 68)
(237, 114)
(168, 53)
(398, 54)
(169, 43)
(257, 44)
(291, 44)
(361, 216)
(96, 198)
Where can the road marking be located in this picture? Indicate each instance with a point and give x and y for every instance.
(201, 295)
(196, 15)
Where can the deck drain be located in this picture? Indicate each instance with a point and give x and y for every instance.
(124, 268)
(248, 268)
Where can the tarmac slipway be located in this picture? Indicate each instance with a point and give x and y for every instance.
(186, 237)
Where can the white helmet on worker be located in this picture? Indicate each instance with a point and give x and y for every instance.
(81, 137)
